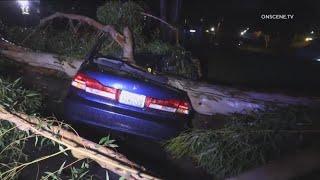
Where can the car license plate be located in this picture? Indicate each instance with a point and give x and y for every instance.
(132, 99)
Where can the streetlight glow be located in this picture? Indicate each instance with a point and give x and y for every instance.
(24, 6)
(243, 32)
(23, 3)
(307, 39)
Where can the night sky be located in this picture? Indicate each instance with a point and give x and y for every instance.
(211, 8)
(233, 12)
(250, 9)
(239, 12)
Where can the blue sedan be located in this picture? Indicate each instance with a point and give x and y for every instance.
(112, 94)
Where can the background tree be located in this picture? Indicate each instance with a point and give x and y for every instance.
(171, 13)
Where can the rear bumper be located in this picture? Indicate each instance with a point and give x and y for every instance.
(79, 110)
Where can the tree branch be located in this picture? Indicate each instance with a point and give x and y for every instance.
(125, 41)
(159, 19)
(120, 39)
(174, 29)
(80, 147)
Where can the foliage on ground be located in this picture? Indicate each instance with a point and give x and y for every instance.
(245, 142)
(16, 145)
(12, 143)
(14, 98)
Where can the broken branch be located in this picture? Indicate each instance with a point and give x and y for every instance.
(80, 147)
(120, 39)
(125, 40)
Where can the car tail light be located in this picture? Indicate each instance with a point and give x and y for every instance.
(84, 82)
(90, 85)
(171, 105)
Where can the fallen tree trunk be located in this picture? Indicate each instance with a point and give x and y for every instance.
(207, 99)
(79, 147)
(212, 99)
(44, 60)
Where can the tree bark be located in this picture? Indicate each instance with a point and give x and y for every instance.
(38, 59)
(210, 99)
(163, 16)
(175, 17)
(128, 46)
(176, 11)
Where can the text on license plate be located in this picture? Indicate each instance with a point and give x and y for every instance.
(132, 99)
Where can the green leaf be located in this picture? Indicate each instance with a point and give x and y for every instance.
(42, 141)
(61, 168)
(36, 141)
(113, 145)
(62, 150)
(106, 141)
(16, 81)
(51, 175)
(107, 175)
(103, 140)
(83, 174)
(32, 94)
